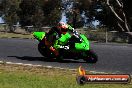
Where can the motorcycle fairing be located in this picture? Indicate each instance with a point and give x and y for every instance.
(84, 45)
(64, 38)
(39, 35)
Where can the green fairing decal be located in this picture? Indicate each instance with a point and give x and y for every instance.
(85, 39)
(84, 45)
(39, 35)
(64, 38)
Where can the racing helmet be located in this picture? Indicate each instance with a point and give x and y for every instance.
(62, 26)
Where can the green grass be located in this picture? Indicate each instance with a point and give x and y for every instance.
(16, 76)
(23, 80)
(15, 35)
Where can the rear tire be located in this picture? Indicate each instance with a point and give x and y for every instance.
(92, 57)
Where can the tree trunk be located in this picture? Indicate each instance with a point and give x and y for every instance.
(122, 19)
(129, 37)
(11, 29)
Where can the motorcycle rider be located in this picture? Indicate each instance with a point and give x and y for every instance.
(55, 33)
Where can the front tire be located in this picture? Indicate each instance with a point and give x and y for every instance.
(92, 57)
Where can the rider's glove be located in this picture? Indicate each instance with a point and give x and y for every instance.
(52, 48)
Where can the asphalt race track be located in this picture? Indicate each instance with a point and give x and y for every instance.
(115, 58)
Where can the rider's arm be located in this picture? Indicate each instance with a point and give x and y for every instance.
(71, 29)
(56, 45)
(49, 33)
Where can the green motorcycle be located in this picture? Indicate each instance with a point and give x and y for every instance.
(71, 47)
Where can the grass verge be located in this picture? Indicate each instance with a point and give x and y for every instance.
(15, 35)
(18, 76)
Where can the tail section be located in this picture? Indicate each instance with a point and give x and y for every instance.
(39, 35)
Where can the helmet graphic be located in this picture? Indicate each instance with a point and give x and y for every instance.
(62, 25)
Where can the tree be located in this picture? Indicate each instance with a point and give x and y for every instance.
(27, 10)
(39, 12)
(120, 11)
(9, 10)
(52, 11)
(74, 10)
(114, 14)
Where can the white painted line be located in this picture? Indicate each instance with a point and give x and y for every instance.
(62, 68)
(1, 61)
(48, 66)
(8, 62)
(56, 67)
(95, 72)
(28, 64)
(18, 63)
(37, 65)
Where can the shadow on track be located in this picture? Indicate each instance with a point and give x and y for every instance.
(29, 58)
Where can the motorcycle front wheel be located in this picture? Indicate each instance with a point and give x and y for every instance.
(92, 57)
